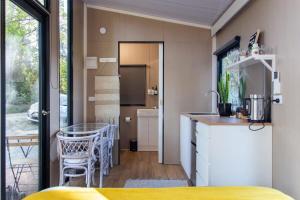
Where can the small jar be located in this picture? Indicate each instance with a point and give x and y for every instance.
(255, 49)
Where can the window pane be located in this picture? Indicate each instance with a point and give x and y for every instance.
(64, 54)
(234, 77)
(22, 102)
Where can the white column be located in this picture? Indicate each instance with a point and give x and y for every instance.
(214, 75)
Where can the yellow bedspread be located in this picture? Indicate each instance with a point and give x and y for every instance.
(186, 193)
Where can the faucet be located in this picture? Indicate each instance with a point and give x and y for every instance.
(218, 99)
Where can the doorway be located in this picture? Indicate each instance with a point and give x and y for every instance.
(141, 71)
(24, 98)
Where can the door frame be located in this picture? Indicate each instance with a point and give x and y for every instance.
(70, 63)
(41, 14)
(161, 157)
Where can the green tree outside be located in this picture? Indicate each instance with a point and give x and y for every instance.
(22, 43)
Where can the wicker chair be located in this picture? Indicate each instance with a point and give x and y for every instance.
(113, 129)
(77, 156)
(102, 154)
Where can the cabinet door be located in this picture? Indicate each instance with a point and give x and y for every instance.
(153, 133)
(142, 133)
(202, 155)
(185, 144)
(202, 137)
(202, 171)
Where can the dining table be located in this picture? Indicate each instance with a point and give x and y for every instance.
(90, 129)
(84, 129)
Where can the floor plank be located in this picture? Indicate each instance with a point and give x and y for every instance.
(137, 165)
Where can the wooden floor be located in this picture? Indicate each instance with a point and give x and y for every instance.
(139, 165)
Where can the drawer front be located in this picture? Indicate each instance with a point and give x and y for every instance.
(203, 130)
(202, 168)
(142, 131)
(202, 145)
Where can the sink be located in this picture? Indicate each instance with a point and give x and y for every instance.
(202, 113)
(147, 112)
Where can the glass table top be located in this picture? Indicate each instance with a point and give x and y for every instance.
(84, 128)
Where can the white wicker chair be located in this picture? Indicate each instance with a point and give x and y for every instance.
(101, 153)
(76, 154)
(111, 138)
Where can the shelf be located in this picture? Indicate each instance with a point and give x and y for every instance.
(255, 59)
(269, 61)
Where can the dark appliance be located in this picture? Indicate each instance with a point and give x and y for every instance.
(193, 153)
(255, 106)
(133, 145)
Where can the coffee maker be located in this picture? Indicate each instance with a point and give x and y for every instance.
(256, 106)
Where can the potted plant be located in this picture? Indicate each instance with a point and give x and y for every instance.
(223, 89)
(242, 89)
(242, 94)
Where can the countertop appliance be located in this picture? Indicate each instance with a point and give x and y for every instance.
(256, 107)
(193, 153)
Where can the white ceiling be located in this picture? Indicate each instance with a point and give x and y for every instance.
(198, 12)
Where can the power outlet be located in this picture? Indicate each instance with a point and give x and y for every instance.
(277, 99)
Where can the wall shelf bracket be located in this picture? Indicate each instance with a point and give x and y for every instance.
(268, 60)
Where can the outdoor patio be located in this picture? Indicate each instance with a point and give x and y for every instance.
(21, 154)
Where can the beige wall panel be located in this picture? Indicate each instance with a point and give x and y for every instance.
(187, 65)
(192, 70)
(106, 50)
(153, 73)
(278, 20)
(134, 54)
(140, 29)
(128, 130)
(182, 33)
(105, 19)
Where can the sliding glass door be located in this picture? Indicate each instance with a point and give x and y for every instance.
(24, 99)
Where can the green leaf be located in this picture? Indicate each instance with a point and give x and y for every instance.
(224, 87)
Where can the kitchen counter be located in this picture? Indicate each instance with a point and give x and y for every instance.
(223, 151)
(216, 120)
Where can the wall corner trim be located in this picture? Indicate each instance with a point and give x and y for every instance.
(228, 15)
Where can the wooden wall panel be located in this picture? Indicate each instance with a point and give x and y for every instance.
(187, 64)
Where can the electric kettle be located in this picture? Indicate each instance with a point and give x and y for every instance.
(255, 105)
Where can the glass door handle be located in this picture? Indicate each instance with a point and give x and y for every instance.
(45, 113)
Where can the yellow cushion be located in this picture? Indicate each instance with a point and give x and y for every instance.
(186, 193)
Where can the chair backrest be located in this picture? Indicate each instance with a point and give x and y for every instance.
(112, 131)
(70, 147)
